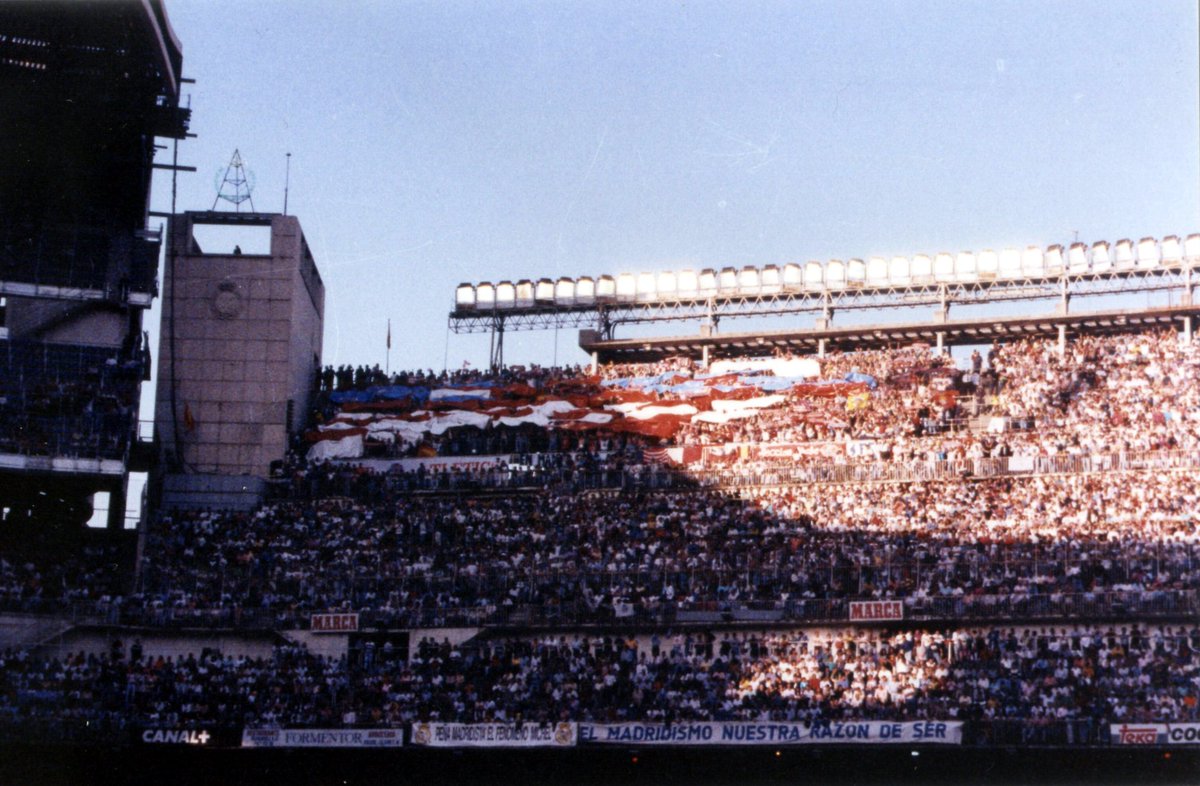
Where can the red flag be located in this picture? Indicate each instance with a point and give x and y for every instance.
(389, 338)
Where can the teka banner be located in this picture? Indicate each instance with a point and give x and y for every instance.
(749, 733)
(1155, 733)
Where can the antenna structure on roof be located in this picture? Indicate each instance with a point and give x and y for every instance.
(236, 184)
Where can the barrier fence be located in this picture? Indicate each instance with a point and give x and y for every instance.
(539, 473)
(992, 609)
(1089, 732)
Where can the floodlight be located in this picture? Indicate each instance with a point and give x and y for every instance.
(921, 269)
(606, 289)
(708, 282)
(626, 286)
(1191, 247)
(464, 296)
(666, 284)
(1010, 263)
(814, 276)
(506, 294)
(1077, 259)
(943, 267)
(727, 280)
(1054, 260)
(1172, 251)
(856, 272)
(749, 281)
(1033, 262)
(1101, 262)
(524, 297)
(793, 276)
(646, 287)
(564, 292)
(965, 267)
(877, 272)
(485, 295)
(1123, 254)
(688, 283)
(585, 290)
(835, 274)
(1148, 254)
(772, 280)
(543, 291)
(899, 271)
(988, 264)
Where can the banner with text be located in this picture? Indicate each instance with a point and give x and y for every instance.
(494, 735)
(333, 623)
(322, 738)
(752, 733)
(1155, 733)
(876, 610)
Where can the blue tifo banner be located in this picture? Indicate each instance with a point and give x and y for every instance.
(494, 735)
(322, 738)
(764, 733)
(1155, 733)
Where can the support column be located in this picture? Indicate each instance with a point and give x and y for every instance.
(1064, 298)
(821, 348)
(941, 342)
(704, 357)
(943, 311)
(1062, 340)
(595, 362)
(1187, 329)
(826, 319)
(116, 508)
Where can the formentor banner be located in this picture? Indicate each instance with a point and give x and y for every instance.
(322, 738)
(751, 733)
(494, 735)
(1155, 733)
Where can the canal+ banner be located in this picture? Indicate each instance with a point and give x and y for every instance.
(765, 733)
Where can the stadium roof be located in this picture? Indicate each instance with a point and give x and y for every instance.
(951, 332)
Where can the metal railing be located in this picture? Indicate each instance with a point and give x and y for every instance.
(1080, 607)
(656, 477)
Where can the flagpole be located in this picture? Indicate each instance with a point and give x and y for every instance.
(387, 363)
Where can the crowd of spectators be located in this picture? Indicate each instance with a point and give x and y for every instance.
(1100, 395)
(584, 555)
(1079, 678)
(348, 538)
(68, 401)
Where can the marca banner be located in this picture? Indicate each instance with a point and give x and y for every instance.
(1155, 733)
(873, 610)
(749, 733)
(494, 735)
(333, 623)
(322, 738)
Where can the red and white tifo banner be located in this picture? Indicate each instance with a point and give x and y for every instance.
(1155, 733)
(333, 623)
(322, 738)
(875, 610)
(494, 735)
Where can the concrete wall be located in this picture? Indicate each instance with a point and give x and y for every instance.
(212, 492)
(246, 330)
(155, 643)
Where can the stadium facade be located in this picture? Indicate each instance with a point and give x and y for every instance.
(88, 88)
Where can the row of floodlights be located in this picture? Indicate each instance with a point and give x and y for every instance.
(876, 272)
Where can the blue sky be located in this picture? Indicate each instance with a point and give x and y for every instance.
(434, 143)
